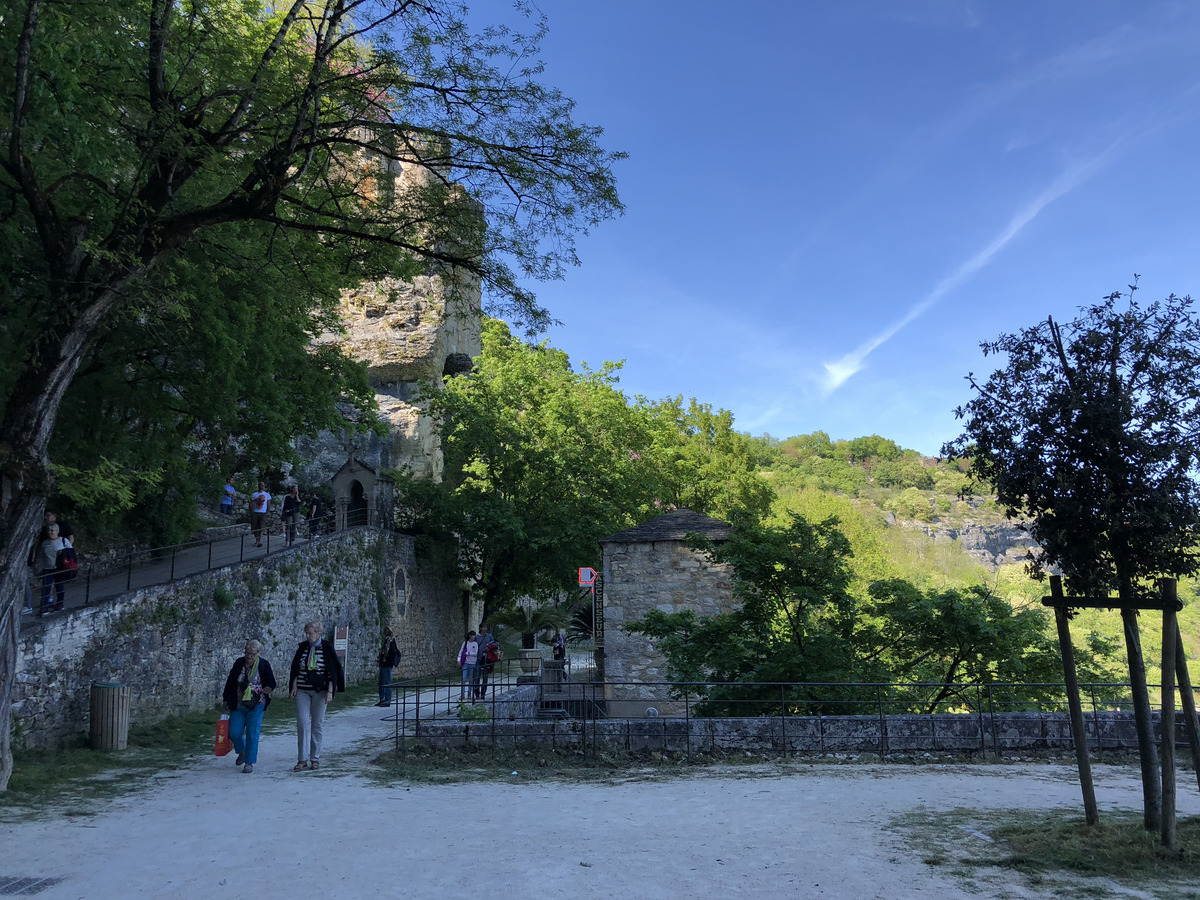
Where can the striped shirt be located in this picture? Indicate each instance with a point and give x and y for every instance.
(305, 680)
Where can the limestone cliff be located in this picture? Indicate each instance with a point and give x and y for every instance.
(406, 333)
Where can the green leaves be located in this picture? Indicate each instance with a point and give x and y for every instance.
(1091, 431)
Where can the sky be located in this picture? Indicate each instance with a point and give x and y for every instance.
(829, 206)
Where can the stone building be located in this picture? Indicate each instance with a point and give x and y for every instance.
(650, 567)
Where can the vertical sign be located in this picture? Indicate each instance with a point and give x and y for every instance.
(598, 611)
(341, 640)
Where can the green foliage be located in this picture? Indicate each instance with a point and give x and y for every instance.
(540, 462)
(472, 712)
(223, 598)
(701, 463)
(794, 618)
(531, 621)
(1089, 432)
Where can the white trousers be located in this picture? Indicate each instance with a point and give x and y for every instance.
(310, 724)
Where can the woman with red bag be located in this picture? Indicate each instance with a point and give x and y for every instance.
(247, 695)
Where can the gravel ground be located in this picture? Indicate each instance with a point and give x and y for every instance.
(801, 830)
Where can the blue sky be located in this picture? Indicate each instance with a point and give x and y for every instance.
(829, 205)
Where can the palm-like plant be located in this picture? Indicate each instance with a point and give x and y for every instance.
(530, 621)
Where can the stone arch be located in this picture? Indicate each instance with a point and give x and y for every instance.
(354, 491)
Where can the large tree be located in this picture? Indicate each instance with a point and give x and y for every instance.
(1091, 434)
(133, 128)
(540, 463)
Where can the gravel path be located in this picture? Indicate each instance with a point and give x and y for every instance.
(206, 830)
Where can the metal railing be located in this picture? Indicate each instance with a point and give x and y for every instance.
(91, 583)
(787, 718)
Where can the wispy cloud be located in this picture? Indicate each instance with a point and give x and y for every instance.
(838, 371)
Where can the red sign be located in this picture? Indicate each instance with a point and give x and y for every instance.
(587, 576)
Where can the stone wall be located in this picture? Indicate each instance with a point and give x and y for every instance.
(174, 643)
(639, 577)
(990, 735)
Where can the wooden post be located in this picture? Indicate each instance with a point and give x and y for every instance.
(1151, 798)
(1170, 629)
(1188, 701)
(1078, 731)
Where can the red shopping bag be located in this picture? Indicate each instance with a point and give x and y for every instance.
(224, 744)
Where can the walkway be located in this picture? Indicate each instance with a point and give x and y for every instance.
(174, 563)
(802, 830)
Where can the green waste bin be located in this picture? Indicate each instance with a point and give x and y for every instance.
(109, 729)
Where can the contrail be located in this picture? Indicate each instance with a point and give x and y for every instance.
(838, 371)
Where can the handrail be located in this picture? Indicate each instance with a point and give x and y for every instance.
(103, 581)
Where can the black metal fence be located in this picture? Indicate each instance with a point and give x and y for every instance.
(55, 590)
(550, 709)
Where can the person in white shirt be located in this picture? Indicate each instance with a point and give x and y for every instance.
(260, 505)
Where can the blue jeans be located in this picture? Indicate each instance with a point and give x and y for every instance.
(470, 678)
(385, 684)
(51, 580)
(244, 727)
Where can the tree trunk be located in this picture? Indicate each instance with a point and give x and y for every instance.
(25, 433)
(1151, 789)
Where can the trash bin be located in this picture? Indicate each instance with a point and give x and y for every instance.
(110, 716)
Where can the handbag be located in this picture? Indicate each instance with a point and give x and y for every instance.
(223, 744)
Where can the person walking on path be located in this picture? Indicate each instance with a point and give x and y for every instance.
(247, 695)
(489, 655)
(468, 659)
(389, 658)
(315, 677)
(315, 507)
(291, 513)
(260, 504)
(50, 568)
(227, 494)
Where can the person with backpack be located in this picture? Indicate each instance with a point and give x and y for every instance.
(489, 655)
(389, 658)
(291, 513)
(52, 569)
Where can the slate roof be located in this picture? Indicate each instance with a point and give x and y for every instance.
(672, 526)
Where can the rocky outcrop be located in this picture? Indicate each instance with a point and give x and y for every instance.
(993, 544)
(407, 333)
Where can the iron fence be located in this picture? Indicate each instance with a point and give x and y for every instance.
(51, 591)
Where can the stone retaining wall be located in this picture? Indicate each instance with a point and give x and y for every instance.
(946, 733)
(173, 644)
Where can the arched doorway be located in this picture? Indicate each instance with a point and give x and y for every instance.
(356, 509)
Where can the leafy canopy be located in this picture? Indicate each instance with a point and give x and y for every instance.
(1091, 433)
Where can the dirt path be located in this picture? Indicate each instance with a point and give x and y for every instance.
(824, 831)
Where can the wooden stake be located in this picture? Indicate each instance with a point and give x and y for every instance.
(1170, 630)
(1188, 702)
(1151, 798)
(1078, 730)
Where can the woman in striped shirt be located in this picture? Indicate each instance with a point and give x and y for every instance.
(316, 676)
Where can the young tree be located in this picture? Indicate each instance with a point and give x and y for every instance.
(133, 127)
(1091, 434)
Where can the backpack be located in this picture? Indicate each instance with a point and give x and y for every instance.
(67, 563)
(492, 653)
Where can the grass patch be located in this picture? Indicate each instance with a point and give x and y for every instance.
(1057, 847)
(433, 765)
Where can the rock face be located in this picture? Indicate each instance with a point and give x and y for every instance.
(993, 544)
(407, 333)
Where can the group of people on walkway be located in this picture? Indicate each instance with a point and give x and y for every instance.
(477, 658)
(316, 676)
(290, 511)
